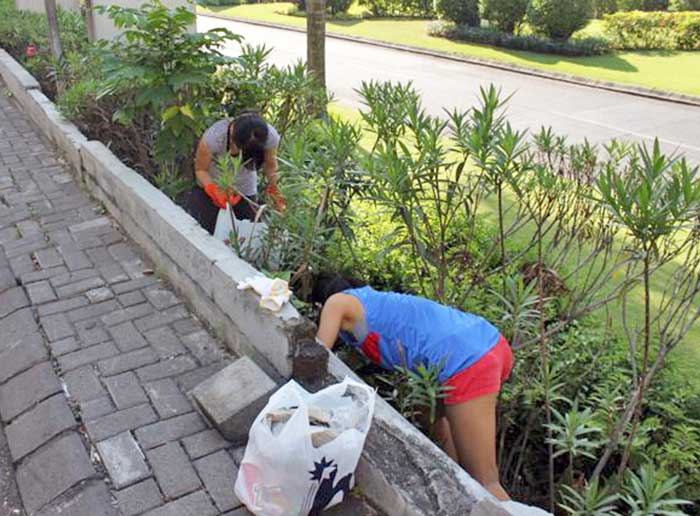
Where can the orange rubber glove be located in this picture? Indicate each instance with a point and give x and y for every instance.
(234, 199)
(216, 195)
(277, 197)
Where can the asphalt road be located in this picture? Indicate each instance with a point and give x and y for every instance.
(576, 111)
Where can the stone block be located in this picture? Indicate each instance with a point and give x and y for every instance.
(204, 348)
(53, 470)
(56, 326)
(488, 507)
(94, 409)
(170, 430)
(127, 314)
(20, 355)
(34, 428)
(123, 459)
(234, 396)
(139, 497)
(27, 389)
(173, 470)
(63, 305)
(310, 363)
(219, 473)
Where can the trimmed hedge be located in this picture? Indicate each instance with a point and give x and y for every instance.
(654, 30)
(485, 36)
(559, 19)
(506, 15)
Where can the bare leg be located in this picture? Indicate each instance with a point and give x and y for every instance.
(473, 425)
(443, 436)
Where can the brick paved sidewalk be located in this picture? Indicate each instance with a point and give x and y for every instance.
(96, 356)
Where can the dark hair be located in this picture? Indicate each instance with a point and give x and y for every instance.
(328, 283)
(250, 134)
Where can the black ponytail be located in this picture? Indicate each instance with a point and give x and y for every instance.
(327, 284)
(250, 135)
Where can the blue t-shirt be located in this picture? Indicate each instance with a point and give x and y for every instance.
(406, 331)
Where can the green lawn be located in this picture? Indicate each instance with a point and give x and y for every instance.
(669, 71)
(685, 360)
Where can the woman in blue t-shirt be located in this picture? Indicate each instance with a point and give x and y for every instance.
(397, 330)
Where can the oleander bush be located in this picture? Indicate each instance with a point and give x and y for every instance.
(654, 30)
(574, 47)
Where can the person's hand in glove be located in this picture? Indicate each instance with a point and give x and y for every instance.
(218, 197)
(280, 202)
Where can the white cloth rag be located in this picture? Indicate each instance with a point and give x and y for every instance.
(274, 293)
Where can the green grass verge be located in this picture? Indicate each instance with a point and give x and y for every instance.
(685, 360)
(668, 71)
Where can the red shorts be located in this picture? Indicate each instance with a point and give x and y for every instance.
(482, 377)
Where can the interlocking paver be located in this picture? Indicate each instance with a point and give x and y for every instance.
(170, 430)
(126, 337)
(139, 497)
(173, 470)
(26, 389)
(77, 294)
(196, 503)
(123, 459)
(125, 390)
(167, 399)
(37, 426)
(204, 443)
(121, 421)
(53, 470)
(218, 472)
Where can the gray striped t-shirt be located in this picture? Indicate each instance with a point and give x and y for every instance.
(215, 138)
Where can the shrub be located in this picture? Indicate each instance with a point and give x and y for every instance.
(462, 12)
(338, 6)
(684, 5)
(642, 5)
(603, 7)
(573, 47)
(506, 15)
(559, 19)
(657, 30)
(411, 8)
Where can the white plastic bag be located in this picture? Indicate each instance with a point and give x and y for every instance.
(250, 233)
(282, 472)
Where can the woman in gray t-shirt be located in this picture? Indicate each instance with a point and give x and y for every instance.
(256, 141)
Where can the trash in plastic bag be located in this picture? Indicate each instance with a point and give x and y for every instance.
(250, 233)
(303, 449)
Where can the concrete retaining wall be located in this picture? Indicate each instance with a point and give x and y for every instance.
(401, 471)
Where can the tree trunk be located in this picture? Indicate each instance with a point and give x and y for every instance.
(54, 36)
(316, 42)
(90, 20)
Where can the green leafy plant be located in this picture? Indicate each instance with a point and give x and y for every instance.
(649, 493)
(592, 500)
(506, 15)
(559, 19)
(654, 30)
(165, 70)
(461, 12)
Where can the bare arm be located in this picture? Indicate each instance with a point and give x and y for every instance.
(202, 161)
(331, 321)
(270, 166)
